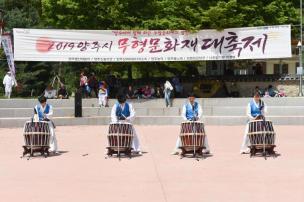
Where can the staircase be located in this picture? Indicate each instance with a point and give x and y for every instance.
(216, 111)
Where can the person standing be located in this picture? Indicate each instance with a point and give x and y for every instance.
(177, 86)
(83, 84)
(8, 82)
(93, 84)
(103, 95)
(167, 91)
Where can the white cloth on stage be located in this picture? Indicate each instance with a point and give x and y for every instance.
(135, 143)
(53, 139)
(8, 82)
(246, 143)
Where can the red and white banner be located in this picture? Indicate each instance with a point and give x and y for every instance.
(8, 50)
(152, 45)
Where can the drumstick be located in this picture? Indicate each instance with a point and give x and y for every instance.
(264, 127)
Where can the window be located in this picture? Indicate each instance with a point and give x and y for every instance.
(280, 69)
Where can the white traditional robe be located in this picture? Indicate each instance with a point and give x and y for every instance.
(102, 97)
(53, 139)
(8, 82)
(135, 143)
(245, 144)
(200, 112)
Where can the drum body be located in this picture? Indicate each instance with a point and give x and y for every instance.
(36, 137)
(192, 136)
(261, 135)
(120, 138)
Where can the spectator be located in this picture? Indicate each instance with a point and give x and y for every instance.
(103, 95)
(152, 91)
(111, 82)
(62, 92)
(177, 86)
(266, 94)
(281, 93)
(83, 84)
(93, 84)
(130, 94)
(147, 92)
(272, 92)
(49, 92)
(167, 91)
(260, 91)
(139, 93)
(159, 92)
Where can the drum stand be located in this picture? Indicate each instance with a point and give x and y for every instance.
(119, 151)
(194, 141)
(264, 145)
(264, 138)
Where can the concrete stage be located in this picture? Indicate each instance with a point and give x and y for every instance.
(82, 174)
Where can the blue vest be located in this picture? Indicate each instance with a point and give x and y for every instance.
(256, 110)
(191, 112)
(122, 112)
(40, 111)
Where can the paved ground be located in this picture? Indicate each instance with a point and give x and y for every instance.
(156, 176)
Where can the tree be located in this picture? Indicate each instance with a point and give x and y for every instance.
(32, 77)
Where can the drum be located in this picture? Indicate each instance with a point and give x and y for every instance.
(36, 138)
(261, 136)
(192, 137)
(120, 138)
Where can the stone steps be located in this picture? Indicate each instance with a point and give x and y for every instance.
(216, 111)
(173, 111)
(153, 120)
(29, 103)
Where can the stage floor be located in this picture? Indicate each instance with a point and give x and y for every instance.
(82, 174)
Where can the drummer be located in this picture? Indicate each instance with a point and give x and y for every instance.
(256, 110)
(192, 111)
(123, 111)
(43, 112)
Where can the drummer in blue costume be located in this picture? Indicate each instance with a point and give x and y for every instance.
(192, 111)
(256, 109)
(43, 112)
(123, 111)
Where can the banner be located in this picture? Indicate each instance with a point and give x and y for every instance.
(8, 50)
(152, 45)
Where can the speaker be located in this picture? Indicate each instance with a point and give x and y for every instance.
(78, 103)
